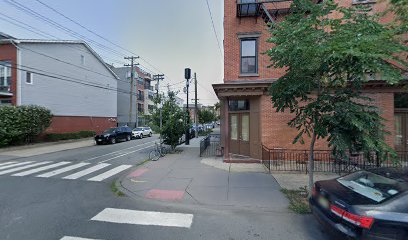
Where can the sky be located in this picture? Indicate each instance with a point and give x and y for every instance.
(168, 36)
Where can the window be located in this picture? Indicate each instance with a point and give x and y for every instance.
(363, 1)
(249, 61)
(140, 108)
(248, 8)
(5, 76)
(29, 78)
(82, 60)
(239, 105)
(140, 95)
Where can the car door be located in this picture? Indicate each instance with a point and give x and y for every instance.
(119, 133)
(145, 131)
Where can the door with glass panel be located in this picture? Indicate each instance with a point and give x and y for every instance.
(401, 125)
(239, 133)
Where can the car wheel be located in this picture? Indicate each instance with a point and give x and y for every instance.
(128, 138)
(113, 140)
(150, 134)
(141, 136)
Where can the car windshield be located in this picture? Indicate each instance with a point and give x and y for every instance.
(373, 186)
(110, 130)
(138, 129)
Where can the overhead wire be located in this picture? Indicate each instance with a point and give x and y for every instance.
(62, 77)
(215, 32)
(70, 32)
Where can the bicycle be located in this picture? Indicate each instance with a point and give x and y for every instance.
(157, 152)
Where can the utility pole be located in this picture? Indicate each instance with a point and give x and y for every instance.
(158, 78)
(187, 76)
(195, 104)
(131, 65)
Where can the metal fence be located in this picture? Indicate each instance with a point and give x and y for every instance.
(324, 161)
(210, 146)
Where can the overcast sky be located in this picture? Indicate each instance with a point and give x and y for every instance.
(170, 35)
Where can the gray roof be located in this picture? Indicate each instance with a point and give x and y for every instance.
(4, 38)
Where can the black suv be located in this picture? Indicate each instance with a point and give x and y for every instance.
(113, 135)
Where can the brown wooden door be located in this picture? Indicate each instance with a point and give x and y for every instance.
(239, 133)
(401, 130)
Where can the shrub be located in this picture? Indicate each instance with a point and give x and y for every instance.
(69, 135)
(22, 123)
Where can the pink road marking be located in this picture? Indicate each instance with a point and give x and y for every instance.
(138, 172)
(165, 194)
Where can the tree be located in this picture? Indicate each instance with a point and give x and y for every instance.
(327, 62)
(217, 107)
(205, 116)
(172, 119)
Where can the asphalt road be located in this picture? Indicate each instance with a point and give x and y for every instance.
(54, 207)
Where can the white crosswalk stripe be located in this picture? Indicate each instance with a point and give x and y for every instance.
(87, 171)
(109, 173)
(14, 165)
(2, 164)
(51, 169)
(126, 216)
(76, 238)
(40, 169)
(62, 170)
(23, 167)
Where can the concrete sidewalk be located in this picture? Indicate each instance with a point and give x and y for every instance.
(43, 148)
(188, 179)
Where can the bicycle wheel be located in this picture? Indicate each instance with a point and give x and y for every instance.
(163, 151)
(154, 155)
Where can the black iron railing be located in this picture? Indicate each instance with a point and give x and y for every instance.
(210, 145)
(324, 161)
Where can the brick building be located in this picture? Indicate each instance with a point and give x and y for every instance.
(248, 119)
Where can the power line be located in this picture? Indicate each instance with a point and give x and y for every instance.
(71, 32)
(54, 24)
(215, 32)
(42, 33)
(44, 73)
(96, 34)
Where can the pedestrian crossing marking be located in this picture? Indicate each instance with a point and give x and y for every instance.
(47, 169)
(76, 238)
(87, 171)
(22, 168)
(40, 169)
(62, 170)
(2, 164)
(115, 215)
(14, 165)
(109, 173)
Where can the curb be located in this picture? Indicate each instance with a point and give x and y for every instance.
(42, 144)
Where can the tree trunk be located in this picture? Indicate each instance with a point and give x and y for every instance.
(311, 164)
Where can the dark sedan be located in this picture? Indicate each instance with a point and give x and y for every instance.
(113, 135)
(364, 204)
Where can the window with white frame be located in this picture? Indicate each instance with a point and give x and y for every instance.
(5, 76)
(29, 77)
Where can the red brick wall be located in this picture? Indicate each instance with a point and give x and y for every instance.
(8, 52)
(234, 25)
(277, 134)
(63, 124)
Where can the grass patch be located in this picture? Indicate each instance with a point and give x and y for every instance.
(298, 201)
(115, 190)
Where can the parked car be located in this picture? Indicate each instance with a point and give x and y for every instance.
(364, 204)
(141, 132)
(113, 135)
